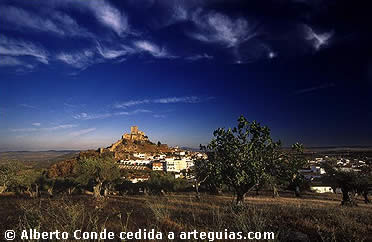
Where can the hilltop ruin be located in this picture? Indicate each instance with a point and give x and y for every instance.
(135, 141)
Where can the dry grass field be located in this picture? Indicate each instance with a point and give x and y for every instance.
(310, 218)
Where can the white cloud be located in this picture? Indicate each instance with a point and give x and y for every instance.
(166, 100)
(24, 19)
(54, 128)
(80, 60)
(272, 55)
(191, 99)
(199, 57)
(113, 53)
(133, 112)
(107, 15)
(28, 106)
(70, 26)
(62, 126)
(12, 47)
(317, 40)
(314, 88)
(218, 28)
(36, 124)
(131, 103)
(82, 132)
(152, 49)
(86, 116)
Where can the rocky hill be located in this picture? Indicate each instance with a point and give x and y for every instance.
(124, 148)
(135, 142)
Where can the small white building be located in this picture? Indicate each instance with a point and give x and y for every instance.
(181, 153)
(135, 162)
(175, 165)
(139, 155)
(321, 189)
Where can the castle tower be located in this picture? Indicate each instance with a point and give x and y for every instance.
(134, 129)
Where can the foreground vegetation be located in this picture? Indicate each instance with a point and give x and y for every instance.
(242, 162)
(311, 218)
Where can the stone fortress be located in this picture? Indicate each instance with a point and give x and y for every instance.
(135, 135)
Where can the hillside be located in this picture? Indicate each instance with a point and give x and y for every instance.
(124, 148)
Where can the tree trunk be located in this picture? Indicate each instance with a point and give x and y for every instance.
(257, 190)
(365, 195)
(275, 192)
(347, 198)
(297, 191)
(70, 190)
(197, 190)
(240, 198)
(3, 189)
(50, 191)
(97, 190)
(31, 193)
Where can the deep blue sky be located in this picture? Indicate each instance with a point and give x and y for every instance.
(77, 74)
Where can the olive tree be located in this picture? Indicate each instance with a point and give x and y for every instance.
(26, 181)
(204, 171)
(243, 156)
(98, 172)
(344, 179)
(291, 163)
(8, 172)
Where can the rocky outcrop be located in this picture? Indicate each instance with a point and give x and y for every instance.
(135, 142)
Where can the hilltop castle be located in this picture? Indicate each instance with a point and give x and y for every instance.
(135, 135)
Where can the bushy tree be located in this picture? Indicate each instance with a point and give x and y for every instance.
(8, 172)
(205, 172)
(98, 173)
(160, 183)
(290, 164)
(26, 181)
(66, 185)
(243, 156)
(345, 179)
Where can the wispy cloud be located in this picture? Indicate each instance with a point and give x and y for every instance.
(108, 53)
(314, 89)
(166, 100)
(199, 57)
(82, 132)
(131, 103)
(137, 111)
(36, 124)
(107, 15)
(57, 22)
(28, 106)
(12, 47)
(54, 128)
(79, 60)
(23, 19)
(152, 49)
(219, 28)
(86, 116)
(317, 40)
(191, 99)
